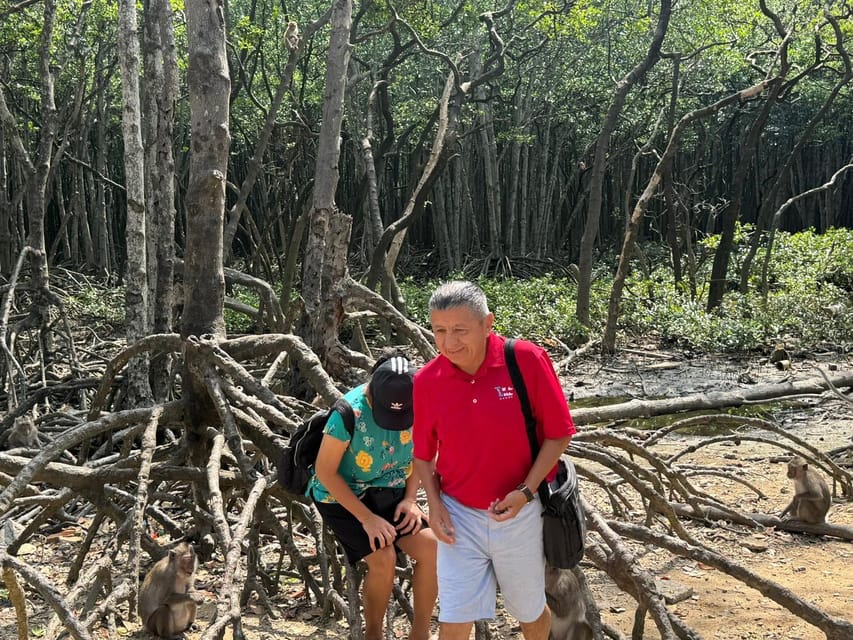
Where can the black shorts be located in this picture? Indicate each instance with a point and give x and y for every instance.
(348, 530)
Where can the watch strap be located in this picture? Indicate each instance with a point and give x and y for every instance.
(528, 494)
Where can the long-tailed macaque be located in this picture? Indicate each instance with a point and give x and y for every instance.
(167, 600)
(24, 433)
(567, 604)
(291, 36)
(811, 494)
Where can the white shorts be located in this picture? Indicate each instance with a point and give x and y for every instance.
(489, 554)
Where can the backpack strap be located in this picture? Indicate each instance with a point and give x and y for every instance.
(524, 399)
(345, 409)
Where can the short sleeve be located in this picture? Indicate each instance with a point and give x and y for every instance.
(335, 427)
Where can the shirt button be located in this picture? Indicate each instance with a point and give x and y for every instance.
(474, 400)
(473, 381)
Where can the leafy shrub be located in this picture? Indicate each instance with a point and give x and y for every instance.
(538, 309)
(809, 298)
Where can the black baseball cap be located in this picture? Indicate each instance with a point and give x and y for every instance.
(391, 394)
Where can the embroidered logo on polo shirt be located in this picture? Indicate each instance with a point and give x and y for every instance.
(505, 393)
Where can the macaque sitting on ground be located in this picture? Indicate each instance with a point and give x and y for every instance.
(167, 600)
(568, 607)
(24, 433)
(811, 494)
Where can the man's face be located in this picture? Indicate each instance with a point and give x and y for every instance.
(461, 336)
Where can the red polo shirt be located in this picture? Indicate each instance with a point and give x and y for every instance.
(475, 423)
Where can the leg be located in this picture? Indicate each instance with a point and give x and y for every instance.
(455, 630)
(421, 547)
(539, 628)
(378, 584)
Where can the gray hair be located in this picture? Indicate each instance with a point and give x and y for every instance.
(459, 293)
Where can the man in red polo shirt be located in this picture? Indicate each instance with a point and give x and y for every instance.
(474, 461)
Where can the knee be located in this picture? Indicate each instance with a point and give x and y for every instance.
(382, 561)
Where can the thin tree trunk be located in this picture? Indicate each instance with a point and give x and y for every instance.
(8, 250)
(748, 151)
(326, 255)
(608, 343)
(204, 279)
(136, 270)
(161, 93)
(599, 166)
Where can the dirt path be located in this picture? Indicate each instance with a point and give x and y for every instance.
(820, 570)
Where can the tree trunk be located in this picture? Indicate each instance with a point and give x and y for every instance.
(204, 280)
(7, 220)
(161, 94)
(35, 177)
(329, 231)
(748, 151)
(136, 270)
(608, 342)
(599, 166)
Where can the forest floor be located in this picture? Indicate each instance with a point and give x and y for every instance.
(820, 570)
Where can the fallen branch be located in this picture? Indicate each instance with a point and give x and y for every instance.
(48, 592)
(834, 628)
(711, 400)
(844, 532)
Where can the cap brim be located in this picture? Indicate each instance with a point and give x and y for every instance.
(393, 420)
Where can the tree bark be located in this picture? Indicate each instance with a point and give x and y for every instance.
(161, 88)
(325, 256)
(136, 270)
(204, 281)
(713, 400)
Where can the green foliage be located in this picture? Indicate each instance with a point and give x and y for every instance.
(539, 309)
(810, 300)
(235, 321)
(810, 295)
(98, 303)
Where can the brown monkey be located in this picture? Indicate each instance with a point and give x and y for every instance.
(24, 433)
(291, 36)
(167, 600)
(811, 494)
(568, 608)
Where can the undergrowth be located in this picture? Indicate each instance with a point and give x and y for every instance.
(808, 301)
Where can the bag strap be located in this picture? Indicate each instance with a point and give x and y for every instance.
(524, 399)
(345, 409)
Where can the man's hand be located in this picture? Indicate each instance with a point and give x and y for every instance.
(409, 515)
(508, 508)
(440, 523)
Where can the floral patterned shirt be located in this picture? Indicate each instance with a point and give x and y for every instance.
(376, 457)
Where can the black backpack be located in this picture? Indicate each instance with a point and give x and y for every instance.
(297, 462)
(564, 521)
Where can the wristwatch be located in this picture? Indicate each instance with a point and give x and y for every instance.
(528, 494)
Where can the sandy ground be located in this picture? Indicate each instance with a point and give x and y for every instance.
(820, 570)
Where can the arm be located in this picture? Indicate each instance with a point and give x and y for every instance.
(514, 501)
(438, 516)
(408, 512)
(379, 530)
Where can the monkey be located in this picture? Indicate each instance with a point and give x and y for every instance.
(780, 357)
(811, 494)
(750, 92)
(167, 599)
(24, 433)
(568, 608)
(291, 36)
